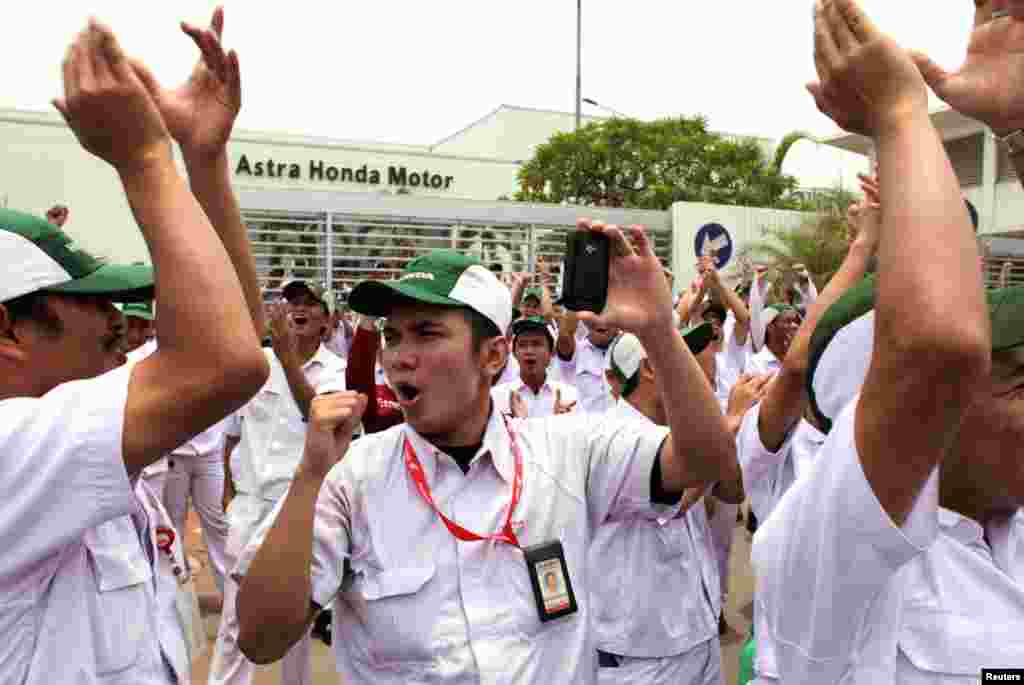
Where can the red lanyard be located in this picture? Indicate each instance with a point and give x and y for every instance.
(412, 464)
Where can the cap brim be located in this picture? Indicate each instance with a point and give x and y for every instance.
(139, 315)
(699, 337)
(1006, 310)
(378, 298)
(122, 283)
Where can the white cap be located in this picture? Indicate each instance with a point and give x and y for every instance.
(626, 355)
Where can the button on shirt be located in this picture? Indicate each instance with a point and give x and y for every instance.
(655, 586)
(586, 371)
(271, 426)
(928, 602)
(538, 405)
(76, 587)
(419, 605)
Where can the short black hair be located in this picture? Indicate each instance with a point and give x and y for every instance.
(547, 336)
(35, 307)
(480, 326)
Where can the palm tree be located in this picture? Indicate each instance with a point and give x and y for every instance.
(820, 243)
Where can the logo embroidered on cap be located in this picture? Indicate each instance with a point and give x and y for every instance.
(424, 275)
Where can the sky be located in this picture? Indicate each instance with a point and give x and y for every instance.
(415, 72)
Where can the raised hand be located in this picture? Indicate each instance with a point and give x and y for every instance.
(106, 105)
(864, 218)
(517, 405)
(563, 407)
(989, 85)
(332, 420)
(201, 112)
(639, 299)
(867, 81)
(748, 391)
(282, 337)
(58, 215)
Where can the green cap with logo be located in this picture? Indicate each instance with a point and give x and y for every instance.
(441, 277)
(532, 323)
(139, 310)
(39, 256)
(533, 292)
(843, 341)
(296, 287)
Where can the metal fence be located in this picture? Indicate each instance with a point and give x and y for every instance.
(340, 249)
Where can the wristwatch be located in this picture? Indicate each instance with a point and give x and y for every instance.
(1014, 142)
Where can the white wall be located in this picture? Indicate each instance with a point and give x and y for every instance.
(43, 165)
(745, 225)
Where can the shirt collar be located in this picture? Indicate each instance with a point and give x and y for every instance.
(496, 442)
(626, 410)
(322, 357)
(546, 385)
(964, 530)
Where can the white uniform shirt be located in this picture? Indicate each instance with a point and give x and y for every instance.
(538, 406)
(177, 630)
(655, 585)
(511, 372)
(763, 363)
(340, 342)
(417, 604)
(852, 598)
(77, 599)
(586, 372)
(271, 427)
(733, 355)
(767, 476)
(209, 441)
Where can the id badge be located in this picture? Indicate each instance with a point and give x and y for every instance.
(549, 577)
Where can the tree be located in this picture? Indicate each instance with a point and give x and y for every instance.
(651, 165)
(820, 243)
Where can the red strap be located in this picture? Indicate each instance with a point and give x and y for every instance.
(415, 469)
(164, 538)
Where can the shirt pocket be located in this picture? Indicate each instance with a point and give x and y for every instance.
(121, 611)
(937, 641)
(398, 619)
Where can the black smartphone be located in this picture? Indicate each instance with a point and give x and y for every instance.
(585, 271)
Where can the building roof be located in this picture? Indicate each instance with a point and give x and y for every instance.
(950, 123)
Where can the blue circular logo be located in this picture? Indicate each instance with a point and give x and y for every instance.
(713, 240)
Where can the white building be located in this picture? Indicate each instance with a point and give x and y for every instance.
(987, 177)
(337, 210)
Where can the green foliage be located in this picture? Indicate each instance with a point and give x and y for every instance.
(820, 243)
(651, 165)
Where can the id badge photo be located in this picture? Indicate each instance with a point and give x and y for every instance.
(549, 578)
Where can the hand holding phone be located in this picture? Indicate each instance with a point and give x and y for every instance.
(585, 274)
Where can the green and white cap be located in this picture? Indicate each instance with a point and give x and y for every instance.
(842, 344)
(772, 311)
(625, 356)
(41, 257)
(139, 310)
(441, 277)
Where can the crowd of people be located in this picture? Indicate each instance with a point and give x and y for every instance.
(467, 483)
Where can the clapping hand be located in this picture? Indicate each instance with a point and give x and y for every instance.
(201, 112)
(989, 86)
(282, 337)
(867, 82)
(562, 407)
(108, 108)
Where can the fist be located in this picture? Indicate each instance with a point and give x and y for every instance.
(333, 419)
(58, 215)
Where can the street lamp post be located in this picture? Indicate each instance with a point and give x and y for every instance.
(579, 44)
(615, 112)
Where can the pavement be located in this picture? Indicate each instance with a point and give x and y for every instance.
(738, 614)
